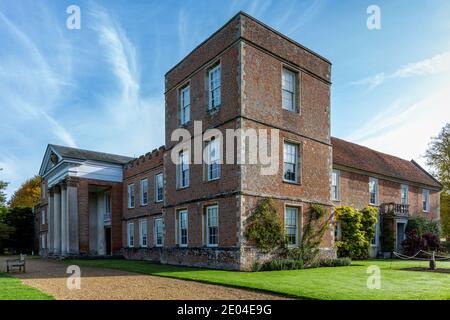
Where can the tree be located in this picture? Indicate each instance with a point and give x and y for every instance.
(21, 222)
(3, 186)
(445, 214)
(438, 157)
(28, 195)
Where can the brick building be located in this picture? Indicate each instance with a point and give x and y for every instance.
(246, 77)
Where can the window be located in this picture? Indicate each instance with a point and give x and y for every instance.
(335, 185)
(183, 169)
(143, 232)
(291, 225)
(213, 159)
(158, 232)
(404, 193)
(43, 217)
(183, 228)
(185, 104)
(425, 200)
(144, 192)
(130, 234)
(214, 87)
(374, 241)
(212, 226)
(131, 195)
(290, 162)
(159, 187)
(373, 191)
(288, 89)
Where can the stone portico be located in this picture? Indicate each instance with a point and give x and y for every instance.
(82, 201)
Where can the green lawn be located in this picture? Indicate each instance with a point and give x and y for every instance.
(13, 289)
(320, 283)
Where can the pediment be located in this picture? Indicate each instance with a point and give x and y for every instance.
(50, 160)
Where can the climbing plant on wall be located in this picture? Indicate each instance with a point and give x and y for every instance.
(357, 231)
(264, 227)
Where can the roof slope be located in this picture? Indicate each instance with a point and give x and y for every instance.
(89, 155)
(359, 157)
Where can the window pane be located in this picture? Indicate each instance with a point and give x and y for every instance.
(290, 162)
(214, 87)
(290, 225)
(212, 225)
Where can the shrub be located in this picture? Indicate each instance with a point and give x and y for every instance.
(264, 227)
(282, 264)
(356, 233)
(421, 234)
(338, 262)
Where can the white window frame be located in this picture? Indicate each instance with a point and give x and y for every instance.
(157, 198)
(185, 104)
(130, 234)
(292, 92)
(426, 200)
(402, 188)
(156, 233)
(183, 226)
(296, 162)
(183, 166)
(144, 190)
(208, 212)
(335, 195)
(143, 233)
(296, 226)
(214, 87)
(213, 164)
(375, 241)
(131, 196)
(375, 181)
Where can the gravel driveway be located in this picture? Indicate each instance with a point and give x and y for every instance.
(107, 284)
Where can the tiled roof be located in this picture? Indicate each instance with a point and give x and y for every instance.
(362, 158)
(81, 154)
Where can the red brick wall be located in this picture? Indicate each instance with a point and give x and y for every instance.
(354, 191)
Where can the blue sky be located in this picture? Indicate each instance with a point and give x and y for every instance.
(101, 87)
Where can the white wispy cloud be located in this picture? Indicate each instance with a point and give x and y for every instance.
(131, 115)
(405, 129)
(31, 84)
(439, 63)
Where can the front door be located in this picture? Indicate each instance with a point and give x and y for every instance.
(400, 235)
(108, 241)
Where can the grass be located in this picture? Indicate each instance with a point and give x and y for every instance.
(13, 289)
(320, 283)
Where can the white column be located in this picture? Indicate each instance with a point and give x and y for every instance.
(57, 221)
(50, 222)
(63, 220)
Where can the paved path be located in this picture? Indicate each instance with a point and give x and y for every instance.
(107, 284)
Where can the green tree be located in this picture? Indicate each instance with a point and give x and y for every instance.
(445, 215)
(3, 186)
(28, 195)
(21, 223)
(438, 157)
